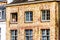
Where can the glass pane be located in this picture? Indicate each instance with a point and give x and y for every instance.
(31, 38)
(3, 15)
(27, 16)
(27, 37)
(48, 32)
(27, 32)
(43, 15)
(15, 32)
(31, 16)
(12, 39)
(43, 33)
(48, 38)
(31, 33)
(44, 38)
(15, 37)
(12, 32)
(48, 15)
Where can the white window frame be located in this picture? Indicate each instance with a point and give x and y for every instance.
(29, 34)
(29, 16)
(46, 34)
(13, 35)
(45, 15)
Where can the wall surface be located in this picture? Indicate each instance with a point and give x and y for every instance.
(37, 24)
(3, 30)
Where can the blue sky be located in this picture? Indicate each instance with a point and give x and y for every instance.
(9, 1)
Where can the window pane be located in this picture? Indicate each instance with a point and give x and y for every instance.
(43, 33)
(12, 32)
(48, 32)
(44, 38)
(27, 32)
(15, 37)
(3, 15)
(48, 15)
(16, 32)
(27, 37)
(48, 38)
(43, 15)
(31, 38)
(27, 16)
(31, 32)
(31, 16)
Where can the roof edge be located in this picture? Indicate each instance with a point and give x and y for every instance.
(24, 3)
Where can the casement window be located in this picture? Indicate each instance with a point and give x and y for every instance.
(13, 34)
(45, 15)
(28, 16)
(13, 17)
(2, 15)
(29, 34)
(45, 34)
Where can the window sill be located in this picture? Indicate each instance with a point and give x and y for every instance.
(13, 22)
(28, 21)
(2, 20)
(45, 20)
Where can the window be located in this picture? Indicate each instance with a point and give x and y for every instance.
(2, 15)
(45, 34)
(28, 16)
(45, 15)
(13, 34)
(14, 17)
(29, 34)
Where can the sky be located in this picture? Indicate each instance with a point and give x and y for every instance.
(9, 1)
